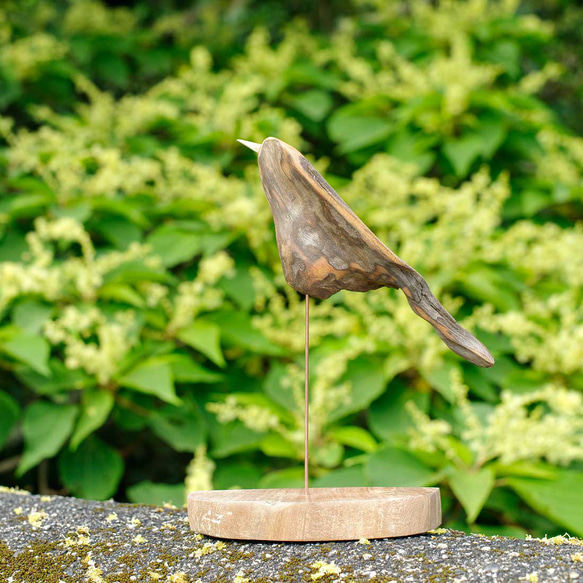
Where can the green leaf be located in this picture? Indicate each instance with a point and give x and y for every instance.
(353, 132)
(25, 205)
(497, 343)
(490, 285)
(352, 477)
(79, 210)
(9, 414)
(96, 404)
(204, 337)
(472, 489)
(510, 375)
(314, 104)
(492, 131)
(113, 68)
(521, 380)
(93, 471)
(479, 384)
(237, 330)
(123, 293)
(387, 416)
(147, 492)
(462, 153)
(483, 141)
(240, 288)
(412, 148)
(368, 381)
(187, 370)
(29, 349)
(182, 428)
(136, 272)
(328, 454)
(45, 428)
(275, 445)
(174, 245)
(258, 399)
(280, 392)
(119, 231)
(12, 246)
(236, 475)
(397, 467)
(213, 242)
(60, 379)
(526, 469)
(30, 316)
(288, 478)
(505, 52)
(356, 437)
(439, 378)
(559, 500)
(154, 377)
(231, 438)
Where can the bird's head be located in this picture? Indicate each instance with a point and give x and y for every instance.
(273, 152)
(283, 169)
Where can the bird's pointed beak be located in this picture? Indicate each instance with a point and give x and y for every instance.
(251, 145)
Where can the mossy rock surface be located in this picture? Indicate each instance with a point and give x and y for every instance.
(66, 540)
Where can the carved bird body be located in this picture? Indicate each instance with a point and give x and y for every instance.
(324, 247)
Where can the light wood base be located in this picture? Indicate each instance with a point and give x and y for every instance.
(323, 514)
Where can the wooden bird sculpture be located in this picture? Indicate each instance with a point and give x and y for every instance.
(324, 247)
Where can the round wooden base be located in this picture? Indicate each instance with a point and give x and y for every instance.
(321, 514)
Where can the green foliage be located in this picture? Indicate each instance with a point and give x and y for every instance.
(9, 413)
(159, 494)
(148, 340)
(472, 489)
(92, 471)
(45, 428)
(555, 498)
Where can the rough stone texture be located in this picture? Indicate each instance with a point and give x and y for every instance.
(54, 540)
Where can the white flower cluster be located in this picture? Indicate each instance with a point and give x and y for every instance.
(255, 417)
(544, 424)
(91, 341)
(201, 294)
(199, 473)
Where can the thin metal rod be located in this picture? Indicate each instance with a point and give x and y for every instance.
(307, 395)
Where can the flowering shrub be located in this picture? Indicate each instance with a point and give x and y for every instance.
(148, 339)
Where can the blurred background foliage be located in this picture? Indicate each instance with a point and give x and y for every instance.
(148, 342)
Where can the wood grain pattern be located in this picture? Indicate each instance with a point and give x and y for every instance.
(324, 247)
(321, 514)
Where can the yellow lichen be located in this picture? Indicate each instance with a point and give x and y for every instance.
(240, 578)
(322, 569)
(35, 518)
(209, 548)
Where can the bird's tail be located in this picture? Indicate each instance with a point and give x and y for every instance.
(458, 339)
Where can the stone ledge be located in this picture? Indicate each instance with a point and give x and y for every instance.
(66, 540)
